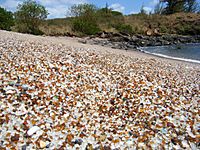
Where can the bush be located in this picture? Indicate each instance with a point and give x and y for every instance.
(124, 28)
(6, 19)
(163, 29)
(85, 26)
(85, 20)
(188, 29)
(82, 10)
(29, 16)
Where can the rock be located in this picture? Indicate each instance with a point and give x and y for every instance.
(107, 148)
(78, 141)
(149, 32)
(156, 32)
(10, 90)
(2, 121)
(89, 147)
(69, 138)
(102, 138)
(79, 104)
(25, 87)
(83, 41)
(102, 35)
(33, 130)
(24, 147)
(15, 138)
(42, 144)
(11, 83)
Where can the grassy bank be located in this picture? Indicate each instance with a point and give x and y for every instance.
(179, 23)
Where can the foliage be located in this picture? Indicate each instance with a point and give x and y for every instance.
(6, 19)
(142, 10)
(175, 6)
(85, 20)
(85, 26)
(159, 8)
(116, 13)
(187, 29)
(191, 6)
(29, 16)
(124, 28)
(82, 10)
(90, 20)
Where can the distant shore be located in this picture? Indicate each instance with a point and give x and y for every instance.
(125, 41)
(97, 44)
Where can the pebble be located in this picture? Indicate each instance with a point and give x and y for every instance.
(24, 147)
(33, 130)
(76, 98)
(78, 141)
(42, 144)
(25, 86)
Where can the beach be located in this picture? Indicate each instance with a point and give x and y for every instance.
(57, 93)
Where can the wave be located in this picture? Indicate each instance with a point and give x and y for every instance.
(170, 57)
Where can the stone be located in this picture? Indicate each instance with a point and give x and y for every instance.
(78, 141)
(102, 138)
(33, 130)
(79, 104)
(25, 87)
(149, 32)
(89, 147)
(42, 144)
(24, 147)
(15, 138)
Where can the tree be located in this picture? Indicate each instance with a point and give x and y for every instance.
(82, 10)
(6, 19)
(159, 8)
(191, 6)
(143, 11)
(29, 16)
(85, 18)
(173, 6)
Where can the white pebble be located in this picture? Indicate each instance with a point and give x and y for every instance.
(33, 130)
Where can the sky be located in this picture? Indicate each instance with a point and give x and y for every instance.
(58, 8)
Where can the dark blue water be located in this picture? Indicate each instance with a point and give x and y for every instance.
(185, 52)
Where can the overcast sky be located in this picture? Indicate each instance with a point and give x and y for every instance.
(58, 8)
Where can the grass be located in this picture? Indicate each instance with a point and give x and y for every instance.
(180, 23)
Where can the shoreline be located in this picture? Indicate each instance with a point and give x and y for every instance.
(69, 41)
(170, 57)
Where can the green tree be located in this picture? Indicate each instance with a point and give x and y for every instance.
(29, 16)
(159, 8)
(6, 19)
(173, 6)
(85, 18)
(143, 11)
(109, 18)
(191, 6)
(81, 10)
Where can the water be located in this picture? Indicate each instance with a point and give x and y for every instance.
(184, 52)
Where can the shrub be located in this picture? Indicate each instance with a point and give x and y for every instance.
(29, 16)
(6, 19)
(163, 29)
(116, 13)
(82, 10)
(124, 28)
(85, 20)
(85, 26)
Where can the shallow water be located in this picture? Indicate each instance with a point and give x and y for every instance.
(185, 52)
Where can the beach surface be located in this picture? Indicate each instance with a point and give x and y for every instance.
(56, 93)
